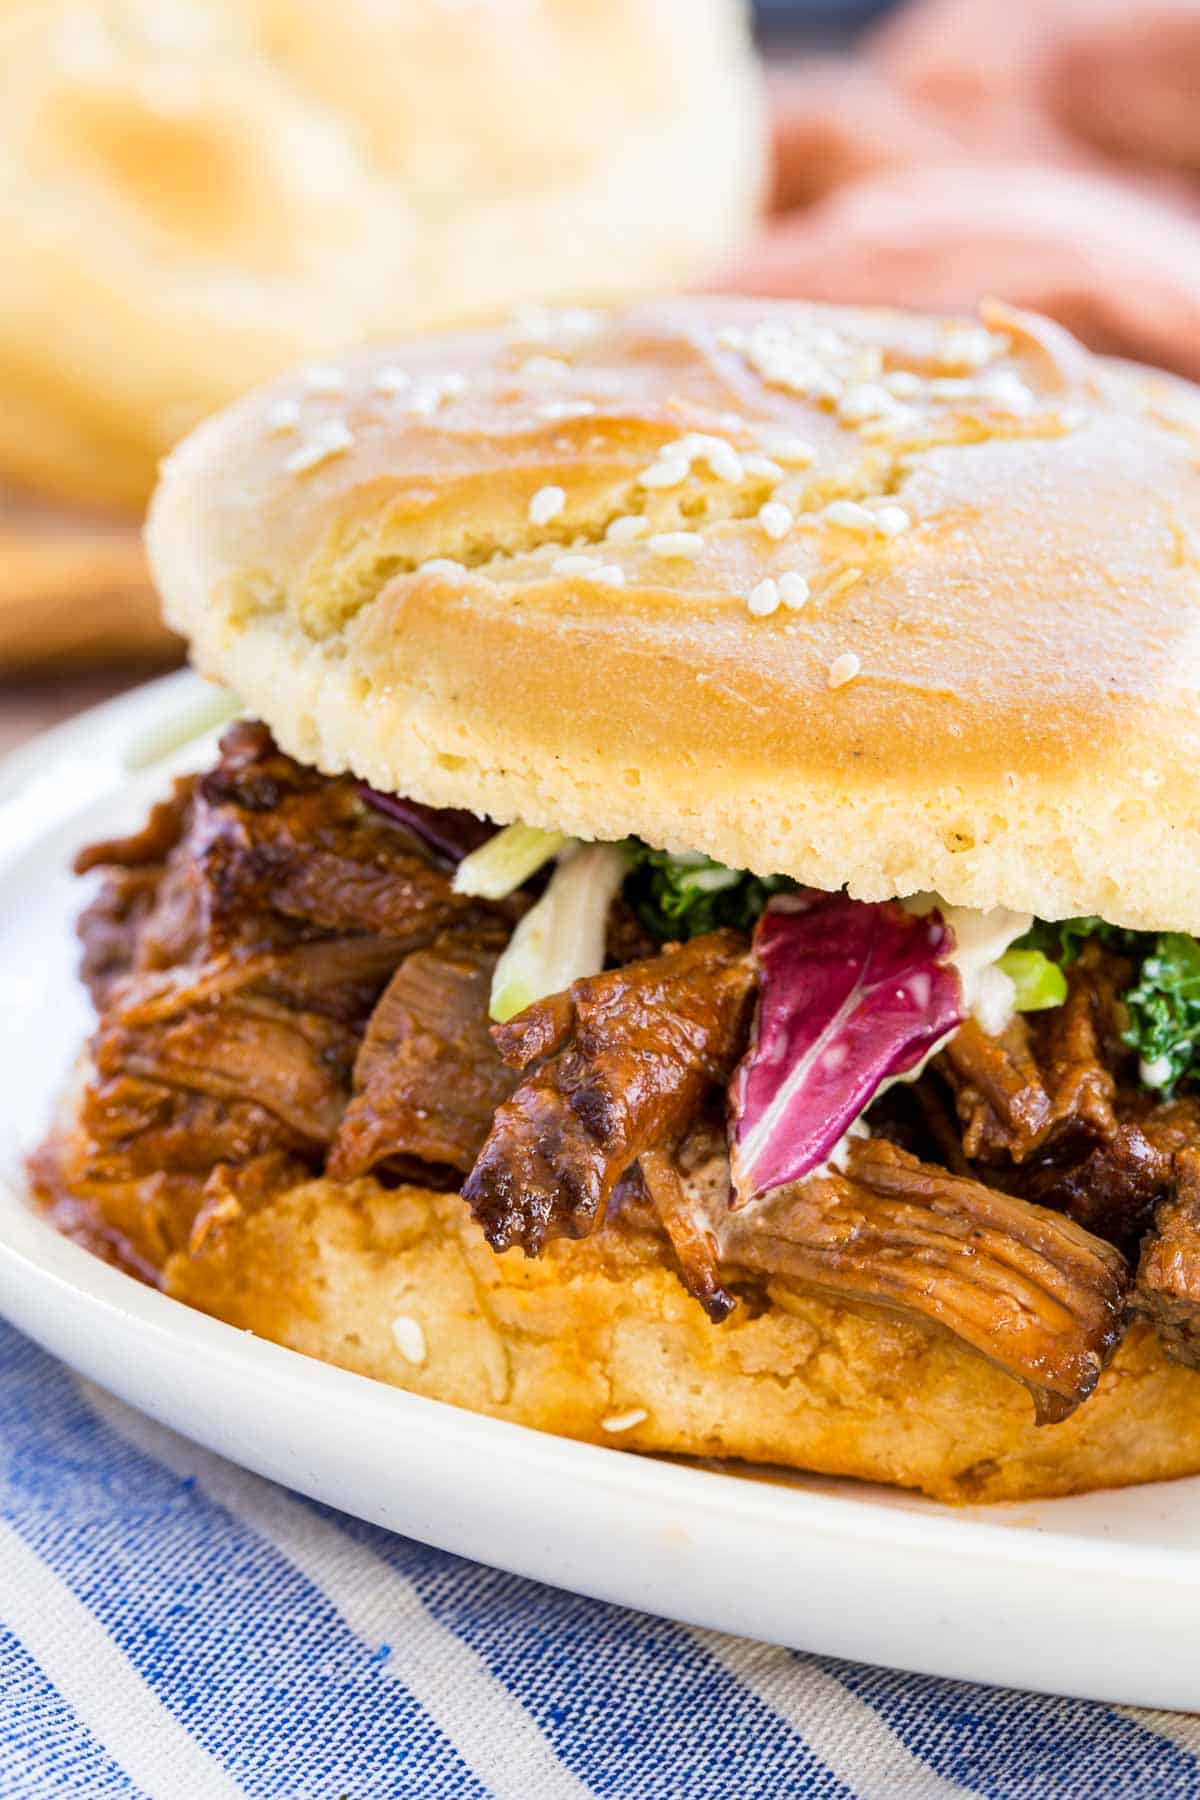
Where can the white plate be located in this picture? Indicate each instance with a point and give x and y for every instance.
(1097, 1597)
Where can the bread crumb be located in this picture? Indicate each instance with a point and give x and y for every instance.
(430, 396)
(283, 416)
(565, 409)
(625, 529)
(788, 449)
(970, 347)
(764, 599)
(410, 1340)
(841, 583)
(762, 468)
(843, 668)
(1005, 390)
(776, 519)
(676, 543)
(546, 504)
(905, 384)
(323, 378)
(851, 515)
(550, 326)
(332, 437)
(668, 471)
(624, 1421)
(892, 520)
(545, 368)
(864, 400)
(720, 455)
(392, 380)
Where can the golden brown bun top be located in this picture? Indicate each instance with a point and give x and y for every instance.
(990, 689)
(195, 194)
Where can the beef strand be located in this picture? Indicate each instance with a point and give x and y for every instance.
(1167, 1289)
(277, 849)
(1042, 1087)
(111, 927)
(690, 1234)
(1112, 1190)
(428, 1077)
(1029, 1289)
(629, 1056)
(1038, 1106)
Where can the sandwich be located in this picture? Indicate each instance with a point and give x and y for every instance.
(691, 940)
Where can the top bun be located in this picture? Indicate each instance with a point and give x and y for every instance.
(532, 573)
(195, 194)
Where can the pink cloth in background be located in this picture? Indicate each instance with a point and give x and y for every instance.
(1044, 151)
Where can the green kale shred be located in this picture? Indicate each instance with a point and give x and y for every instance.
(1063, 939)
(1164, 1002)
(684, 896)
(1164, 1012)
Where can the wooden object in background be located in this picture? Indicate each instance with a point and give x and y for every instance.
(74, 590)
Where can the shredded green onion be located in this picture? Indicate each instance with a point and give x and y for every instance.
(562, 937)
(202, 713)
(1039, 983)
(507, 860)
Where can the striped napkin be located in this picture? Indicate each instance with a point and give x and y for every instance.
(173, 1627)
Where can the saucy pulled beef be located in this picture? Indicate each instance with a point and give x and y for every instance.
(428, 1078)
(1025, 1286)
(287, 985)
(623, 1062)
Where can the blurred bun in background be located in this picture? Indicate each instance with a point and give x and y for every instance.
(196, 193)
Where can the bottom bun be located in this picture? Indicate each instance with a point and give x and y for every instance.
(598, 1341)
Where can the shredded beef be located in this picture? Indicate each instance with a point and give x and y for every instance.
(132, 1171)
(236, 953)
(1031, 1290)
(1045, 1083)
(111, 927)
(1168, 1277)
(428, 1077)
(1112, 1190)
(627, 939)
(1040, 1106)
(339, 978)
(689, 1231)
(138, 1127)
(294, 1065)
(150, 846)
(1081, 1039)
(1170, 1125)
(276, 849)
(1003, 1106)
(629, 1057)
(235, 1190)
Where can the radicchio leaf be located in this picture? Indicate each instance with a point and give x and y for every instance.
(446, 830)
(850, 994)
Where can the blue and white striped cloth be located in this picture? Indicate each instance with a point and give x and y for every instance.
(173, 1627)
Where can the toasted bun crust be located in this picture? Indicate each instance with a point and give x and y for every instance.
(593, 1333)
(196, 193)
(1023, 729)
